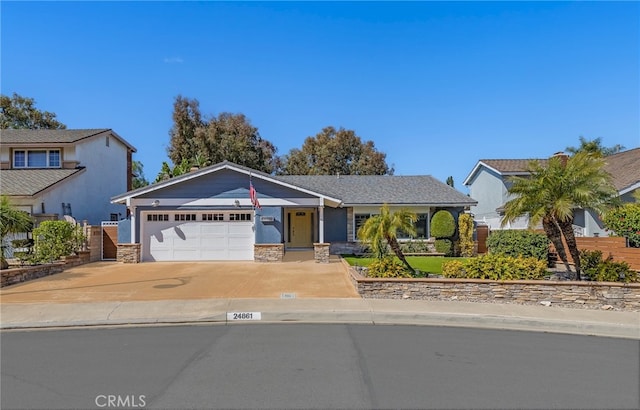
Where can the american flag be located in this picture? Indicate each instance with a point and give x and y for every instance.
(254, 196)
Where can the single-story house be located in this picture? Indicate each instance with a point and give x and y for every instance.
(208, 213)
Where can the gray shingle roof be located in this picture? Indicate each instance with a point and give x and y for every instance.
(44, 136)
(28, 182)
(624, 167)
(380, 189)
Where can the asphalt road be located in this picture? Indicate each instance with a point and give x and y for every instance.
(296, 366)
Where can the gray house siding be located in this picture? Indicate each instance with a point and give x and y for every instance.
(483, 188)
(124, 231)
(335, 224)
(269, 231)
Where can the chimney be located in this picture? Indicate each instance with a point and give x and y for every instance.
(563, 157)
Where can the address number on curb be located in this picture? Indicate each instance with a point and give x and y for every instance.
(244, 316)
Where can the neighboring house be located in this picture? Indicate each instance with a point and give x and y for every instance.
(207, 214)
(53, 173)
(489, 184)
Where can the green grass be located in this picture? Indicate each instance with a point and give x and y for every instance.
(429, 264)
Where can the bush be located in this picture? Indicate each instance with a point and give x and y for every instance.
(496, 267)
(388, 267)
(414, 246)
(465, 230)
(55, 239)
(442, 224)
(444, 246)
(625, 221)
(515, 243)
(597, 269)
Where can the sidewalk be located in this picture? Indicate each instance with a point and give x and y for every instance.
(347, 310)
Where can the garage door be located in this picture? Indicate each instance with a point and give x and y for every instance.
(197, 236)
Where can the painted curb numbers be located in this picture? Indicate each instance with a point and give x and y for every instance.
(244, 315)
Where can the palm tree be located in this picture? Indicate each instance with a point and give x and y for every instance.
(12, 220)
(551, 193)
(382, 230)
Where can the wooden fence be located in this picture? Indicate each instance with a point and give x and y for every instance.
(611, 245)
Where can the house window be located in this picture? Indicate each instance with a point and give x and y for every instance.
(213, 217)
(421, 228)
(36, 158)
(359, 220)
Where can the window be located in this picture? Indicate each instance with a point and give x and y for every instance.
(157, 217)
(240, 217)
(421, 228)
(36, 158)
(359, 220)
(185, 217)
(213, 217)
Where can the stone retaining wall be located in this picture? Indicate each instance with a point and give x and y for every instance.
(128, 253)
(22, 274)
(268, 252)
(573, 294)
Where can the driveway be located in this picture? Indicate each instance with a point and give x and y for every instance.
(299, 275)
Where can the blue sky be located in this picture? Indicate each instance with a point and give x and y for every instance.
(436, 85)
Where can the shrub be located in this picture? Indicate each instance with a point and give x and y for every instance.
(465, 231)
(442, 224)
(514, 243)
(414, 246)
(55, 239)
(444, 246)
(607, 270)
(388, 267)
(625, 221)
(496, 267)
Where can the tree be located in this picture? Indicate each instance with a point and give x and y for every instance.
(20, 112)
(333, 152)
(137, 179)
(186, 121)
(12, 220)
(595, 147)
(382, 230)
(625, 221)
(550, 194)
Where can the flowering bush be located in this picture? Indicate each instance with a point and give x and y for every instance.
(625, 221)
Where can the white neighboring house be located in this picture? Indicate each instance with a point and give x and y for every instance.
(53, 173)
(489, 184)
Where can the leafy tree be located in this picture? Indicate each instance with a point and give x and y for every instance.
(20, 112)
(625, 221)
(138, 180)
(550, 194)
(55, 239)
(595, 147)
(231, 137)
(12, 220)
(334, 152)
(381, 231)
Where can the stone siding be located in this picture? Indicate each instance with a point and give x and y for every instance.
(321, 252)
(272, 252)
(128, 253)
(586, 295)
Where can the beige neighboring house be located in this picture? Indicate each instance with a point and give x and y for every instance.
(489, 184)
(75, 172)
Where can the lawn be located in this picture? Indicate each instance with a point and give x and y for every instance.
(429, 264)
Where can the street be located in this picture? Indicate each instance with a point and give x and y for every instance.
(292, 366)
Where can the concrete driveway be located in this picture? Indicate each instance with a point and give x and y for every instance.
(298, 275)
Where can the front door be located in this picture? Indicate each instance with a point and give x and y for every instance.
(300, 229)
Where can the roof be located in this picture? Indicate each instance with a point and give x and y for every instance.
(381, 189)
(504, 167)
(45, 136)
(346, 189)
(624, 167)
(29, 182)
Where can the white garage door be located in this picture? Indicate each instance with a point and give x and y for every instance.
(197, 236)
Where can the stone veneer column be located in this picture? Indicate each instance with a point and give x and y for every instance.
(268, 252)
(128, 253)
(321, 252)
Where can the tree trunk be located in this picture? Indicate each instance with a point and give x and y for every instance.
(570, 238)
(395, 246)
(555, 236)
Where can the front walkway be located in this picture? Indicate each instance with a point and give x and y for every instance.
(297, 276)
